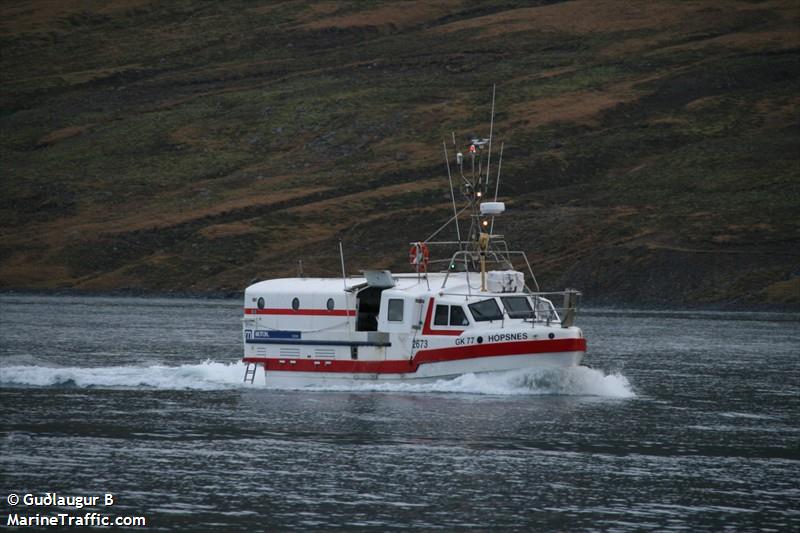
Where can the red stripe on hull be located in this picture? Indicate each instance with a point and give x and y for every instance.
(300, 312)
(439, 355)
(456, 353)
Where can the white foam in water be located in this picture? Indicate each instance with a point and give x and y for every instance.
(211, 375)
(575, 381)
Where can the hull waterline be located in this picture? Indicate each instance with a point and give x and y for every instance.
(425, 373)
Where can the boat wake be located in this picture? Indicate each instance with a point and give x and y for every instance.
(575, 381)
(211, 375)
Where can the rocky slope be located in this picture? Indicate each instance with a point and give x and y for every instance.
(650, 148)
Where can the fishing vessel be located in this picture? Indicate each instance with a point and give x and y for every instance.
(466, 305)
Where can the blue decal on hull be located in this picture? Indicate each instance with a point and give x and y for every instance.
(275, 334)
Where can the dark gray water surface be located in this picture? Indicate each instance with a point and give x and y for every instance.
(687, 421)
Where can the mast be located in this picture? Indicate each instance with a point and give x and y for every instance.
(475, 248)
(452, 194)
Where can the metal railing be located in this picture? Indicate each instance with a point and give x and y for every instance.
(492, 257)
(543, 310)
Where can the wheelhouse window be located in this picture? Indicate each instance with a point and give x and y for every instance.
(450, 315)
(395, 310)
(545, 309)
(485, 310)
(517, 306)
(458, 317)
(440, 319)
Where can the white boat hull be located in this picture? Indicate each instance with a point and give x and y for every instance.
(289, 379)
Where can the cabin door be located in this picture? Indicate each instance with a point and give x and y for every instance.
(368, 304)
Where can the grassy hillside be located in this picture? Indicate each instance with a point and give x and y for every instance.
(651, 148)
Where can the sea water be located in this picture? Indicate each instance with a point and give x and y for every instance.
(685, 421)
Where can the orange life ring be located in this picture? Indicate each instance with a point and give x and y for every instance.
(419, 255)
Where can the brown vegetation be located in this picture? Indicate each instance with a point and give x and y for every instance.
(650, 147)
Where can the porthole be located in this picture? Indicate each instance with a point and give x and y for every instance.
(480, 340)
(296, 304)
(552, 335)
(330, 304)
(261, 303)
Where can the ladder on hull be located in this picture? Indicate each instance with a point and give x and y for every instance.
(250, 372)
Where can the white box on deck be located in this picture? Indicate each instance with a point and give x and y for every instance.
(505, 281)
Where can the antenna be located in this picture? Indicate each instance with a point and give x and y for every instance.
(346, 294)
(497, 185)
(499, 166)
(491, 128)
(341, 255)
(452, 194)
(472, 159)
